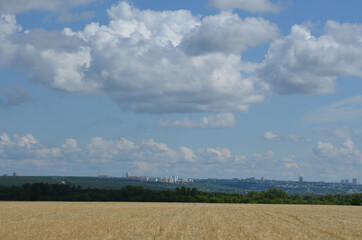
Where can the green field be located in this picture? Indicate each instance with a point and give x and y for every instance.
(204, 185)
(84, 182)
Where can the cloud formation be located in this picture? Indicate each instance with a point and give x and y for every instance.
(222, 120)
(145, 60)
(347, 154)
(178, 63)
(116, 156)
(24, 153)
(228, 33)
(248, 5)
(301, 63)
(271, 136)
(25, 149)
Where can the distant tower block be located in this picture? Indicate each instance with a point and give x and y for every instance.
(354, 181)
(128, 174)
(300, 179)
(262, 179)
(15, 174)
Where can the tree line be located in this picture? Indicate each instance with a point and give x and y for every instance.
(62, 192)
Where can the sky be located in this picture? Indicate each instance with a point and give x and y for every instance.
(196, 89)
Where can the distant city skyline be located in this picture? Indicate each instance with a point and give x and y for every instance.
(175, 179)
(200, 89)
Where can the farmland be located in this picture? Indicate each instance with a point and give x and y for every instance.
(97, 220)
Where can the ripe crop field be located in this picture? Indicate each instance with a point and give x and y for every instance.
(92, 220)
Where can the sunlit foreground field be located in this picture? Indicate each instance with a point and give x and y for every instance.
(66, 220)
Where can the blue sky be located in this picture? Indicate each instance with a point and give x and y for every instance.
(203, 89)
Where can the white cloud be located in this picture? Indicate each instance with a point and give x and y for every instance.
(346, 109)
(158, 76)
(216, 154)
(99, 154)
(304, 64)
(228, 33)
(248, 5)
(290, 162)
(269, 135)
(25, 148)
(19, 6)
(222, 120)
(70, 146)
(8, 25)
(240, 159)
(99, 148)
(24, 154)
(343, 132)
(188, 154)
(346, 154)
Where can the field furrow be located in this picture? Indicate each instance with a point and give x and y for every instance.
(66, 220)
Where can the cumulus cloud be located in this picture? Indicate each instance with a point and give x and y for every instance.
(26, 149)
(143, 59)
(290, 162)
(301, 63)
(19, 6)
(23, 152)
(222, 120)
(270, 136)
(228, 33)
(70, 146)
(118, 155)
(348, 153)
(188, 154)
(215, 155)
(19, 150)
(248, 5)
(346, 109)
(240, 159)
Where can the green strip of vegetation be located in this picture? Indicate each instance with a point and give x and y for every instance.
(63, 192)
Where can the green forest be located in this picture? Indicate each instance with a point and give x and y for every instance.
(63, 192)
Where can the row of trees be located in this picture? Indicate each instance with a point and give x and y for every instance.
(61, 192)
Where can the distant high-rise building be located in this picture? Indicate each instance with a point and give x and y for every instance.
(346, 181)
(15, 174)
(262, 179)
(128, 174)
(354, 181)
(300, 179)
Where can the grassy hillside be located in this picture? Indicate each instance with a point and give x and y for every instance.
(84, 182)
(20, 180)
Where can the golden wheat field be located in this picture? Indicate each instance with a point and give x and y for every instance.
(66, 220)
